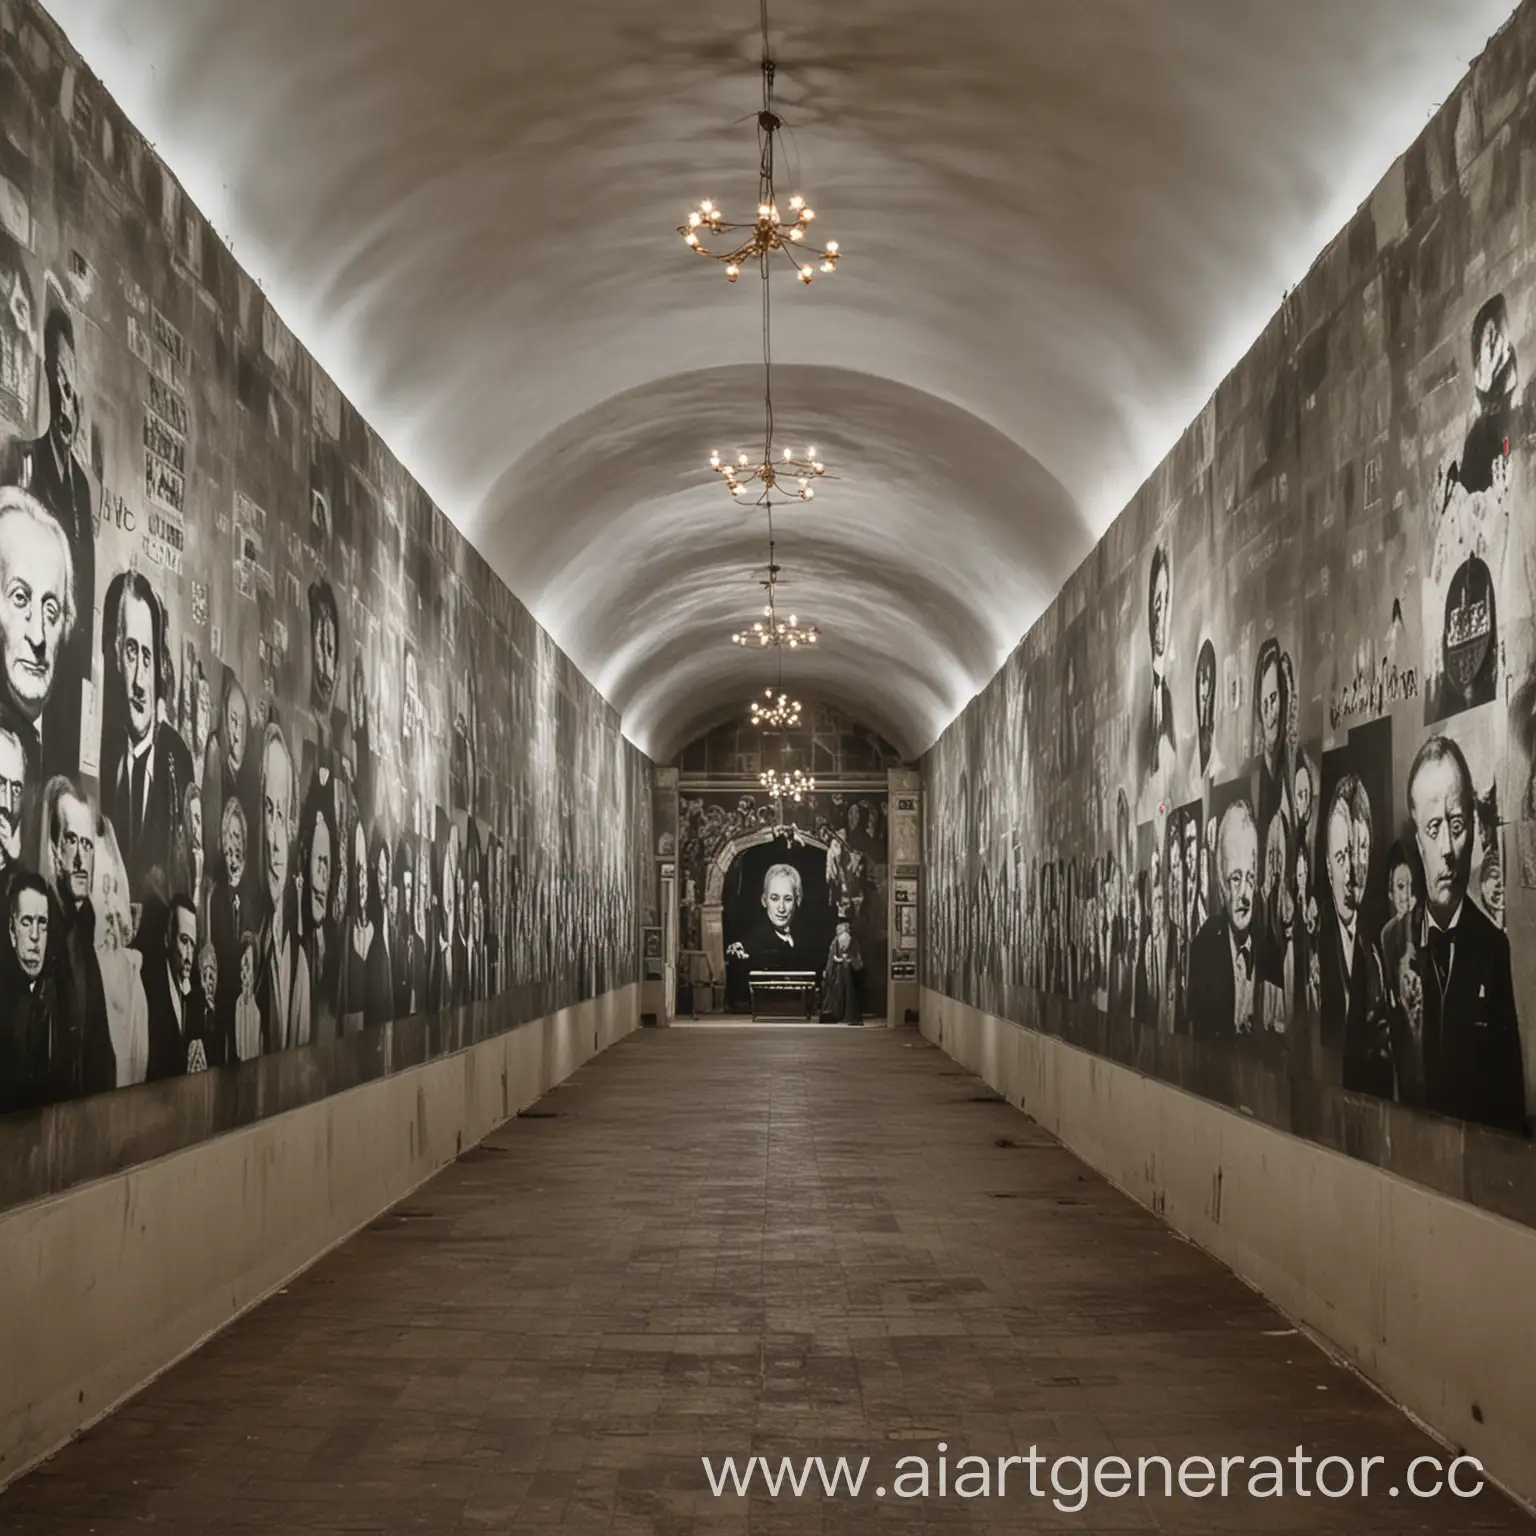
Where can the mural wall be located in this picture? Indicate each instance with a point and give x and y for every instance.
(281, 761)
(1264, 776)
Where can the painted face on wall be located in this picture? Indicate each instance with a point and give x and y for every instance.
(235, 726)
(202, 719)
(1303, 795)
(74, 846)
(780, 901)
(1269, 709)
(1240, 866)
(63, 396)
(34, 576)
(1205, 694)
(1492, 887)
(1161, 613)
(136, 657)
(209, 971)
(183, 949)
(29, 931)
(234, 851)
(247, 969)
(1440, 805)
(1341, 865)
(319, 870)
(13, 784)
(1400, 890)
(324, 638)
(1493, 362)
(277, 795)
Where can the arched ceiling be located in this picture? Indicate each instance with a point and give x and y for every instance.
(1063, 223)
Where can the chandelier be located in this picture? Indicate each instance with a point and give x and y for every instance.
(787, 786)
(771, 230)
(778, 713)
(740, 475)
(771, 629)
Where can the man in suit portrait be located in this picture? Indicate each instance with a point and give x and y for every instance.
(1221, 959)
(82, 1059)
(146, 766)
(13, 790)
(283, 982)
(47, 469)
(176, 1015)
(37, 618)
(1353, 1000)
(28, 1000)
(1157, 729)
(1456, 1013)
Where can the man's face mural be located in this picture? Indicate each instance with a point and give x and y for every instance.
(1439, 803)
(1341, 864)
(1160, 613)
(29, 931)
(235, 727)
(1269, 709)
(234, 851)
(136, 657)
(1303, 795)
(780, 901)
(324, 637)
(1400, 890)
(1493, 360)
(74, 847)
(34, 578)
(319, 870)
(13, 783)
(183, 948)
(63, 396)
(1240, 868)
(277, 796)
(1205, 696)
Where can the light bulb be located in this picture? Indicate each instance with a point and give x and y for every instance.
(741, 458)
(695, 219)
(810, 453)
(732, 272)
(762, 210)
(797, 202)
(810, 213)
(805, 274)
(827, 266)
(810, 491)
(797, 233)
(832, 247)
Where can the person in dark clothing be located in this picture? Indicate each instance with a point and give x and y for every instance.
(28, 1000)
(379, 985)
(177, 1043)
(841, 980)
(1458, 1032)
(1222, 979)
(81, 1058)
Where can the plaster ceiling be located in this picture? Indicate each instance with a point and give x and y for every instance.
(1063, 223)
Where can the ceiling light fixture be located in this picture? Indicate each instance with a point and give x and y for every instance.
(740, 474)
(787, 786)
(771, 629)
(772, 230)
(779, 713)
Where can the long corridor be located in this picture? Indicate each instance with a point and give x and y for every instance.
(713, 1243)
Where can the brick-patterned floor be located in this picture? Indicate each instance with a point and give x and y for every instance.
(727, 1242)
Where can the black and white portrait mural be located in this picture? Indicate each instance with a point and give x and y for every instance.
(757, 894)
(281, 761)
(1265, 774)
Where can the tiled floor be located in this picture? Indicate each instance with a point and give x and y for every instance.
(723, 1243)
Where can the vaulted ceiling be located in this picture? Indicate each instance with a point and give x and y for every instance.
(1063, 222)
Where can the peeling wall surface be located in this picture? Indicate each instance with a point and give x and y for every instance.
(294, 793)
(1253, 807)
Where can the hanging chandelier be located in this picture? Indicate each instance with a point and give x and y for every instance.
(740, 475)
(771, 230)
(771, 630)
(776, 711)
(787, 786)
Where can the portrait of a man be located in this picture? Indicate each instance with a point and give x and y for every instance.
(1353, 1004)
(1158, 734)
(1456, 1020)
(27, 1024)
(146, 766)
(1221, 959)
(282, 989)
(47, 469)
(37, 616)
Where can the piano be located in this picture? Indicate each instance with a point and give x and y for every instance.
(784, 994)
